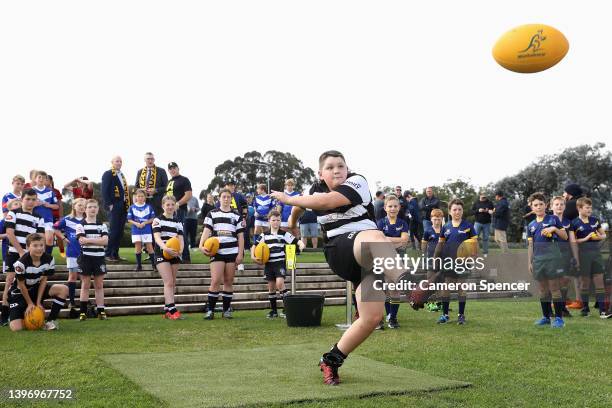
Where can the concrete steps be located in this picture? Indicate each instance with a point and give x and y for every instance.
(129, 292)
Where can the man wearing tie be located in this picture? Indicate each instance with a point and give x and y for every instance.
(154, 180)
(116, 196)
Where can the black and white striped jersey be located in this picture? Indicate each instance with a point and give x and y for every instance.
(356, 216)
(25, 270)
(225, 225)
(24, 224)
(167, 227)
(276, 243)
(91, 230)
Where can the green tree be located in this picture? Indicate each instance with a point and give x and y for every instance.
(254, 168)
(590, 166)
(456, 188)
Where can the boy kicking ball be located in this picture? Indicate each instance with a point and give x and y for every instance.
(545, 262)
(30, 287)
(274, 269)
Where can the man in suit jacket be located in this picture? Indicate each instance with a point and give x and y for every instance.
(154, 180)
(116, 196)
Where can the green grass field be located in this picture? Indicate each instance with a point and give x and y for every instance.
(508, 361)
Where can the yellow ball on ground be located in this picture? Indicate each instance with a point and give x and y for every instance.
(34, 320)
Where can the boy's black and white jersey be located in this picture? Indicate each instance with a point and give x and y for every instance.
(91, 230)
(24, 224)
(356, 216)
(225, 225)
(26, 271)
(167, 227)
(276, 243)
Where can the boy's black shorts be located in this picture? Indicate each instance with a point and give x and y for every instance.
(10, 260)
(227, 258)
(341, 258)
(18, 304)
(591, 263)
(91, 265)
(159, 258)
(273, 270)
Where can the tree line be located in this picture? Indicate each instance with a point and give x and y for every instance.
(590, 166)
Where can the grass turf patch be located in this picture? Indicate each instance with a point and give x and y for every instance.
(265, 375)
(509, 362)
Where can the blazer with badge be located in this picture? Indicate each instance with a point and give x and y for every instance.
(112, 189)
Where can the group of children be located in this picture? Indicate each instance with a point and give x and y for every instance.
(561, 249)
(26, 231)
(439, 241)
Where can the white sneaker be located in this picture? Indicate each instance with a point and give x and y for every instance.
(604, 315)
(240, 267)
(51, 325)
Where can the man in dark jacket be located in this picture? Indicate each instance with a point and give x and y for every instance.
(412, 217)
(428, 203)
(501, 220)
(571, 193)
(482, 210)
(153, 180)
(116, 197)
(379, 205)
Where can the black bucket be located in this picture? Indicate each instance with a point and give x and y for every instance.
(303, 310)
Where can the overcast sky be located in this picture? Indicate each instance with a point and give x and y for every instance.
(407, 90)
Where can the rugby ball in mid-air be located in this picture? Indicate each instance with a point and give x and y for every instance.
(172, 243)
(212, 245)
(530, 48)
(35, 319)
(262, 252)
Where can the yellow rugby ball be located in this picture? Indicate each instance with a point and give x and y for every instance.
(172, 243)
(530, 48)
(212, 245)
(34, 320)
(468, 248)
(262, 252)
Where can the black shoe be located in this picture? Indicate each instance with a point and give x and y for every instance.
(73, 313)
(272, 314)
(138, 268)
(210, 315)
(4, 323)
(584, 312)
(381, 325)
(393, 324)
(110, 259)
(566, 313)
